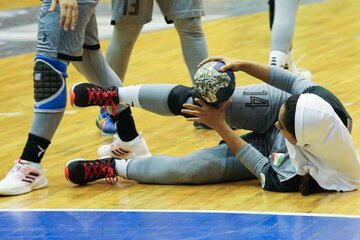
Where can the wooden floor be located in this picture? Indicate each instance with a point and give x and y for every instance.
(328, 33)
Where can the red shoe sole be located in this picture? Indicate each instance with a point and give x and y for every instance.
(66, 173)
(72, 97)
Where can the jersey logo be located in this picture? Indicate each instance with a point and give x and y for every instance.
(44, 36)
(37, 76)
(41, 152)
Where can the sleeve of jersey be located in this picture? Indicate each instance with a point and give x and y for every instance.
(288, 82)
(252, 159)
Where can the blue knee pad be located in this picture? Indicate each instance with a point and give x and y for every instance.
(49, 85)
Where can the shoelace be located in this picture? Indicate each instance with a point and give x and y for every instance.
(99, 96)
(18, 168)
(110, 94)
(111, 177)
(96, 96)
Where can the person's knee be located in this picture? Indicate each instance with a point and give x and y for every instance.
(189, 27)
(49, 85)
(177, 97)
(127, 30)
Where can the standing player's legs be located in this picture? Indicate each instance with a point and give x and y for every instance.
(193, 42)
(128, 19)
(186, 16)
(120, 47)
(97, 71)
(55, 48)
(282, 24)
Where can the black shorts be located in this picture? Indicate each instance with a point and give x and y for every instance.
(272, 182)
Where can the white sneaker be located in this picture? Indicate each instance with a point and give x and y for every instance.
(278, 59)
(291, 65)
(24, 177)
(136, 148)
(286, 61)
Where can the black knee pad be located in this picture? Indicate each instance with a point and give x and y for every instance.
(47, 81)
(177, 97)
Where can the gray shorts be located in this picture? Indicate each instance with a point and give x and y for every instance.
(54, 42)
(140, 12)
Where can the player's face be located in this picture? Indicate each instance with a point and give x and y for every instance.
(279, 124)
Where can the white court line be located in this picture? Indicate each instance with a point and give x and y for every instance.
(12, 114)
(348, 104)
(70, 112)
(184, 211)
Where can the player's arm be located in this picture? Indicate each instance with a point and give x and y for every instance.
(68, 12)
(214, 118)
(258, 70)
(274, 76)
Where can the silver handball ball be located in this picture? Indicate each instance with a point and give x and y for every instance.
(212, 85)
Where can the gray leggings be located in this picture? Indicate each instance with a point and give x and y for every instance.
(211, 165)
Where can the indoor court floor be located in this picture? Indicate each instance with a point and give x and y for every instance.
(327, 42)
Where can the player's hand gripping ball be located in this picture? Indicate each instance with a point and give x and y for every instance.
(213, 86)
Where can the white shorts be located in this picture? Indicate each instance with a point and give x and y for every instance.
(140, 12)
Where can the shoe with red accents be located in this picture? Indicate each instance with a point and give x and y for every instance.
(24, 177)
(136, 148)
(87, 94)
(81, 171)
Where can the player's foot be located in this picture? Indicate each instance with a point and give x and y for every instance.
(286, 61)
(291, 66)
(105, 124)
(278, 59)
(87, 94)
(81, 171)
(136, 148)
(24, 177)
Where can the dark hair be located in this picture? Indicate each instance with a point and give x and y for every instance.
(289, 114)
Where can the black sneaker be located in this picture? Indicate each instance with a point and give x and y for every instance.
(87, 94)
(81, 171)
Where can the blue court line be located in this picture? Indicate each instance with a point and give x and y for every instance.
(151, 224)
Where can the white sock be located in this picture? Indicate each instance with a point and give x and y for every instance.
(277, 58)
(121, 167)
(129, 95)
